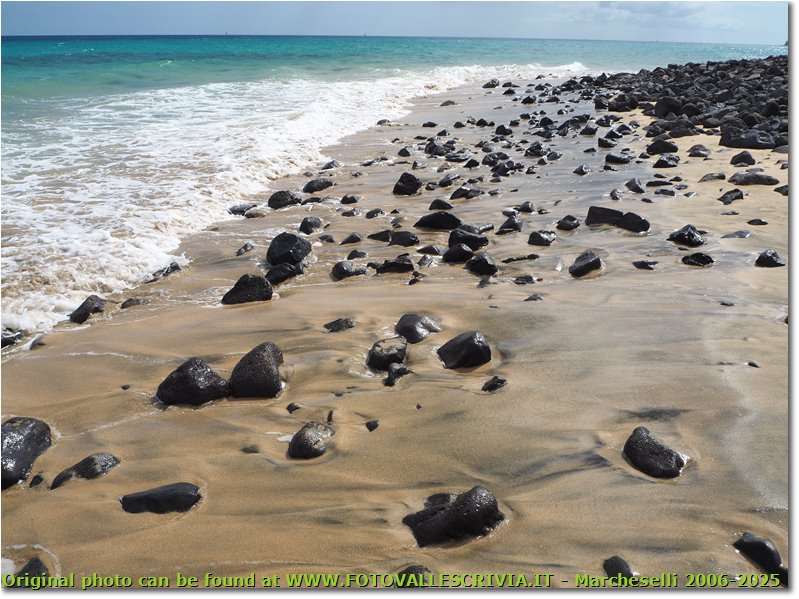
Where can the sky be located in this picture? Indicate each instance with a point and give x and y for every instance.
(708, 22)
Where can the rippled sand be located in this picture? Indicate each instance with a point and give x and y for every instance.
(591, 361)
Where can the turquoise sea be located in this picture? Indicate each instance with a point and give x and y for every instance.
(116, 148)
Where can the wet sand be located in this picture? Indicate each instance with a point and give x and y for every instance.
(589, 362)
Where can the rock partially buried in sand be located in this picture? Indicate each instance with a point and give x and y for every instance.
(283, 272)
(345, 269)
(585, 263)
(466, 350)
(494, 384)
(281, 199)
(769, 259)
(688, 236)
(764, 554)
(310, 441)
(617, 566)
(35, 567)
(482, 265)
(287, 248)
(177, 497)
(439, 221)
(193, 383)
(698, 259)
(542, 238)
(309, 224)
(24, 440)
(401, 263)
(407, 185)
(317, 185)
(340, 324)
(415, 327)
(386, 352)
(472, 514)
(91, 467)
(249, 288)
(411, 577)
(651, 457)
(257, 374)
(395, 372)
(91, 305)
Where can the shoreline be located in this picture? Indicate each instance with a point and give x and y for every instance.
(585, 365)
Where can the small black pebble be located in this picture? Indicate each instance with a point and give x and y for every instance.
(125, 387)
(292, 407)
(418, 406)
(725, 303)
(36, 480)
(372, 425)
(251, 449)
(752, 364)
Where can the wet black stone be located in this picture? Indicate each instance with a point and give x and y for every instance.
(340, 324)
(635, 186)
(355, 254)
(667, 161)
(764, 554)
(432, 250)
(352, 238)
(618, 158)
(494, 384)
(287, 248)
(457, 253)
(753, 139)
(384, 235)
(407, 185)
(281, 199)
(730, 196)
(395, 372)
(247, 247)
(511, 225)
(193, 383)
(634, 223)
(617, 566)
(465, 350)
(415, 327)
(385, 352)
(567, 223)
(91, 305)
(471, 514)
(24, 440)
(604, 142)
(645, 264)
(472, 240)
(597, 215)
(411, 577)
(177, 497)
(317, 185)
(584, 263)
(309, 224)
(482, 265)
(526, 207)
(257, 373)
(345, 269)
(372, 425)
(651, 457)
(661, 146)
(32, 569)
(401, 263)
(698, 151)
(782, 190)
(583, 169)
(698, 259)
(542, 238)
(465, 191)
(744, 157)
(283, 272)
(713, 177)
(293, 407)
(439, 205)
(249, 288)
(310, 441)
(756, 222)
(374, 213)
(753, 179)
(769, 259)
(89, 468)
(10, 337)
(404, 239)
(737, 235)
(687, 236)
(441, 221)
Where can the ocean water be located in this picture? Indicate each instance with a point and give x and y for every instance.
(116, 148)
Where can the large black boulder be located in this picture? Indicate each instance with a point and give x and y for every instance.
(688, 236)
(471, 514)
(24, 440)
(249, 288)
(317, 185)
(651, 457)
(415, 327)
(91, 305)
(764, 554)
(407, 185)
(385, 352)
(91, 467)
(585, 263)
(281, 199)
(177, 497)
(466, 350)
(193, 383)
(310, 441)
(257, 374)
(289, 248)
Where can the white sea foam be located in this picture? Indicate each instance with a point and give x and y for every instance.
(98, 196)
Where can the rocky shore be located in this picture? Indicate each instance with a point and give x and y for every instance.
(538, 325)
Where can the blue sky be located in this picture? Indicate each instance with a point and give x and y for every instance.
(713, 22)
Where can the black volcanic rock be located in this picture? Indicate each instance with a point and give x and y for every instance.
(634, 223)
(687, 236)
(597, 215)
(192, 383)
(401, 263)
(585, 263)
(542, 238)
(345, 269)
(471, 514)
(91, 305)
(309, 224)
(698, 259)
(249, 288)
(661, 146)
(317, 185)
(385, 352)
(407, 185)
(744, 157)
(289, 248)
(769, 259)
(257, 374)
(415, 327)
(440, 221)
(753, 179)
(177, 497)
(651, 457)
(465, 350)
(616, 565)
(310, 441)
(473, 241)
(567, 223)
(457, 253)
(281, 199)
(482, 265)
(24, 440)
(283, 272)
(88, 468)
(340, 324)
(764, 554)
